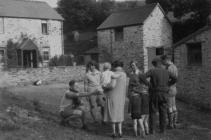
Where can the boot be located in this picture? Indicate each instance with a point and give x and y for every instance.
(175, 119)
(170, 120)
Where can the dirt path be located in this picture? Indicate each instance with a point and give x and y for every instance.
(196, 125)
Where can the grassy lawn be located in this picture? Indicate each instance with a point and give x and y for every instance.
(43, 103)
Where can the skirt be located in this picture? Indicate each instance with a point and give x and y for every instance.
(145, 104)
(135, 104)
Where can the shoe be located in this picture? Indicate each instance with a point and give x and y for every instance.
(84, 127)
(142, 134)
(151, 132)
(162, 132)
(114, 135)
(63, 123)
(120, 135)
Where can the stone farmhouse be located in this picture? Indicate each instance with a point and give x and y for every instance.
(192, 55)
(35, 28)
(138, 34)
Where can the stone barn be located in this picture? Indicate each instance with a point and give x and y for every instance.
(137, 34)
(192, 55)
(34, 27)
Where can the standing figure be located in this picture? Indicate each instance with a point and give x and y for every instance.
(92, 83)
(138, 95)
(171, 98)
(160, 79)
(115, 100)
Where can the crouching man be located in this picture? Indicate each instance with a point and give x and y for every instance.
(71, 105)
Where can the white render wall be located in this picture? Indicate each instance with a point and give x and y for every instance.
(15, 27)
(157, 32)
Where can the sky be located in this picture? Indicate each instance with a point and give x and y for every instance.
(53, 3)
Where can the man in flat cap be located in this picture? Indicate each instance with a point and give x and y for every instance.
(160, 79)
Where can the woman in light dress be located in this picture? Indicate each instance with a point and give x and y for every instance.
(115, 100)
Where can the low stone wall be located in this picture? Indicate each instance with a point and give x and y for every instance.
(21, 77)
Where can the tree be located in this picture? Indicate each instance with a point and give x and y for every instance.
(76, 13)
(199, 10)
(82, 14)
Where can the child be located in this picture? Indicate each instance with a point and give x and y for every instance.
(72, 106)
(107, 76)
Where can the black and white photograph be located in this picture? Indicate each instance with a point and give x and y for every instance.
(105, 69)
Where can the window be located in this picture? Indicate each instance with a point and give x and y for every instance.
(1, 25)
(44, 25)
(46, 53)
(2, 55)
(119, 36)
(160, 51)
(194, 53)
(46, 56)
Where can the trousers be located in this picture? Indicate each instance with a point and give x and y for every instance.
(157, 103)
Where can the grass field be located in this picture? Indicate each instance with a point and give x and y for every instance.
(43, 103)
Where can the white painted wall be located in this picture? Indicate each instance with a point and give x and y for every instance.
(157, 32)
(14, 27)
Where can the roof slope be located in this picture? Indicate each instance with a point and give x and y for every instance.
(27, 9)
(205, 28)
(27, 44)
(128, 17)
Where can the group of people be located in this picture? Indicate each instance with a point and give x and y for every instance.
(148, 93)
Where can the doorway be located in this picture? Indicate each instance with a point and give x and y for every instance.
(152, 53)
(29, 58)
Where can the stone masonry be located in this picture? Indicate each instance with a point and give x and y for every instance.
(14, 28)
(23, 77)
(155, 32)
(194, 83)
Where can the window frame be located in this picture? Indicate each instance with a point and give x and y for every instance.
(44, 25)
(2, 26)
(190, 60)
(45, 49)
(119, 34)
(4, 55)
(157, 51)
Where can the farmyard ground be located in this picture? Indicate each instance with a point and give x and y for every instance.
(42, 123)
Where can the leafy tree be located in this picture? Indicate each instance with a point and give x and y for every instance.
(82, 14)
(199, 10)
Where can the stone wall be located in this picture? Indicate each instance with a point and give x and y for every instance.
(21, 77)
(194, 85)
(156, 32)
(14, 28)
(130, 48)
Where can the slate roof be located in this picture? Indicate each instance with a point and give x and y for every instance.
(27, 44)
(128, 17)
(205, 28)
(27, 9)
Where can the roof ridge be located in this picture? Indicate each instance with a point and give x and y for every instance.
(188, 37)
(30, 1)
(126, 10)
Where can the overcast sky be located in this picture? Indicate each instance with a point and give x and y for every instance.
(53, 3)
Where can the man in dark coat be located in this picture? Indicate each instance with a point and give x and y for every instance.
(160, 79)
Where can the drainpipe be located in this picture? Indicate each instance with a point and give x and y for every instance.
(111, 44)
(62, 37)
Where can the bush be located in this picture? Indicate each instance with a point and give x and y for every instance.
(63, 60)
